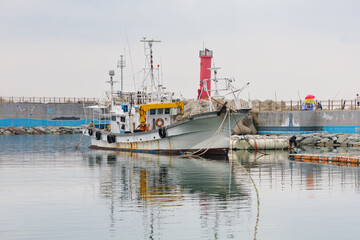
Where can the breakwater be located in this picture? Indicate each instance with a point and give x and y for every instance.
(44, 114)
(302, 122)
(7, 131)
(328, 140)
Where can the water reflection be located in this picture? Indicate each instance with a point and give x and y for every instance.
(151, 184)
(51, 191)
(275, 169)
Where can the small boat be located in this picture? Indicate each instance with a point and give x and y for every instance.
(151, 120)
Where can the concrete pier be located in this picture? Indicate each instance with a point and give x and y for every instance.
(300, 122)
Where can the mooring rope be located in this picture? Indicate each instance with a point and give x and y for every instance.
(211, 141)
(90, 125)
(257, 196)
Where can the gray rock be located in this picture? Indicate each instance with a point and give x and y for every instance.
(41, 129)
(330, 135)
(342, 138)
(299, 138)
(325, 140)
(309, 141)
(30, 130)
(7, 133)
(353, 138)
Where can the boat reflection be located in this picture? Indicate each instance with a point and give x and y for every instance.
(203, 189)
(165, 178)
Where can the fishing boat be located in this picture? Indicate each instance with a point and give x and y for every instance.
(151, 120)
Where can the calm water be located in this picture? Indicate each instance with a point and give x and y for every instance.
(49, 190)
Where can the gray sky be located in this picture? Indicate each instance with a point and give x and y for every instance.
(64, 48)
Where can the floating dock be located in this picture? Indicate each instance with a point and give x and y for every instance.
(341, 159)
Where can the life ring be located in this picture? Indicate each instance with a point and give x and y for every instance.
(159, 120)
(162, 132)
(98, 135)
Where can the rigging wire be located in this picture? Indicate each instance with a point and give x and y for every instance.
(339, 90)
(131, 63)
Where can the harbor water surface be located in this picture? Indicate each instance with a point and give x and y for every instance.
(49, 190)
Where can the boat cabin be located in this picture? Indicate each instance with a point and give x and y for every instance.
(126, 119)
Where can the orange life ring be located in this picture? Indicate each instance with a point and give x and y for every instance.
(159, 120)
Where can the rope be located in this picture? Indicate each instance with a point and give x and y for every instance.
(257, 196)
(211, 141)
(89, 125)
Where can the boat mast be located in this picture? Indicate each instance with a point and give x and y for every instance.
(150, 42)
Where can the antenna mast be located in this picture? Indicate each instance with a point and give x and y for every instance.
(121, 65)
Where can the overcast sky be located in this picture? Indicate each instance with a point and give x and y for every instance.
(65, 48)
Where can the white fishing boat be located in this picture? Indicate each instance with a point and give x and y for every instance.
(148, 120)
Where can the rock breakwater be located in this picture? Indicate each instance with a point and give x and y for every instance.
(328, 140)
(8, 131)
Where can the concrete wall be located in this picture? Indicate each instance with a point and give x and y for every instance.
(290, 122)
(37, 114)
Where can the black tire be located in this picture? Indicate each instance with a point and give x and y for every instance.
(111, 138)
(98, 135)
(162, 132)
(90, 131)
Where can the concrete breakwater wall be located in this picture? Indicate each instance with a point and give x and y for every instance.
(40, 114)
(7, 131)
(302, 122)
(263, 122)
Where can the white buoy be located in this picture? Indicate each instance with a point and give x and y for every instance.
(259, 142)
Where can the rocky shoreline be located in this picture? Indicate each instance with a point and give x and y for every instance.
(312, 139)
(8, 131)
(328, 140)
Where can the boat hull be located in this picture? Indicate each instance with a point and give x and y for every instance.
(205, 134)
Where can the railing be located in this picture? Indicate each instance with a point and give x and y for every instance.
(46, 100)
(269, 105)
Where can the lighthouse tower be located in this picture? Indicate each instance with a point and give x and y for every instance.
(205, 73)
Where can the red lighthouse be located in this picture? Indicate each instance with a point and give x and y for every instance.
(205, 73)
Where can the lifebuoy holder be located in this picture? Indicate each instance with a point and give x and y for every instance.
(159, 122)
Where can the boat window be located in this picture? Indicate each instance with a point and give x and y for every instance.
(152, 111)
(167, 110)
(124, 108)
(160, 111)
(122, 119)
(113, 118)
